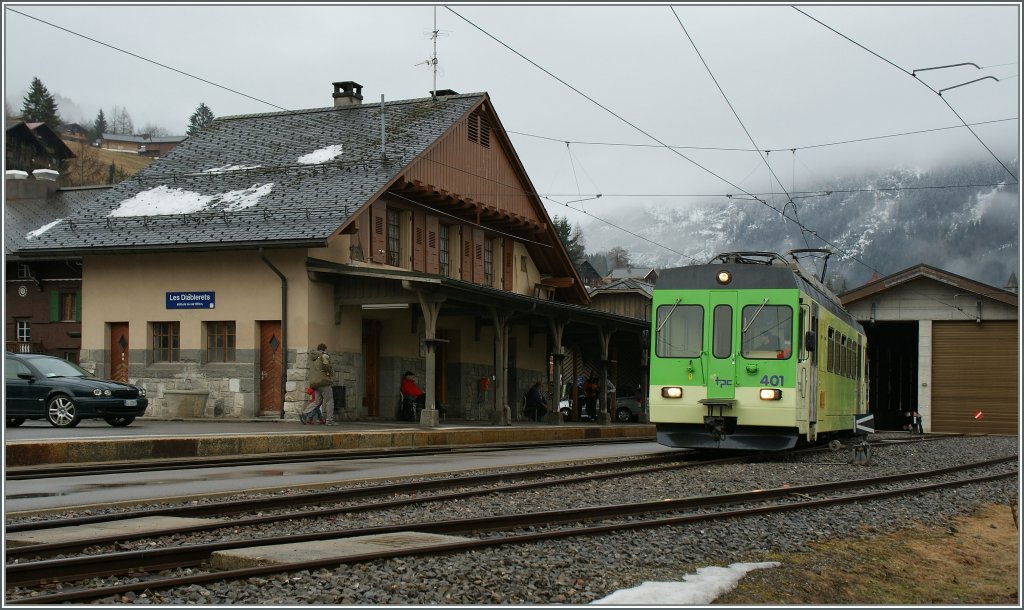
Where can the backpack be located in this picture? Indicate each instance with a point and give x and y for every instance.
(320, 373)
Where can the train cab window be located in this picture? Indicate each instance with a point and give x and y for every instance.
(767, 332)
(680, 331)
(721, 341)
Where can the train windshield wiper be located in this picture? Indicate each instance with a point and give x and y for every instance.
(668, 315)
(754, 317)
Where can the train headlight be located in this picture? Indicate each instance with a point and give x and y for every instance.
(723, 277)
(771, 394)
(672, 392)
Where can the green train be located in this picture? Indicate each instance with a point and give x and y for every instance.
(724, 373)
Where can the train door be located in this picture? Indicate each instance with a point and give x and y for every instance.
(812, 382)
(722, 361)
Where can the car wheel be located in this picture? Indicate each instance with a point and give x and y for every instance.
(14, 422)
(61, 412)
(119, 421)
(566, 414)
(623, 414)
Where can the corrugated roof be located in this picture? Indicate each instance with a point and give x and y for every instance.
(240, 181)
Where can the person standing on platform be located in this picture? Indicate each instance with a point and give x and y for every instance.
(590, 390)
(320, 377)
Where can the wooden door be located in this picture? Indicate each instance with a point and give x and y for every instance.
(371, 367)
(271, 363)
(119, 351)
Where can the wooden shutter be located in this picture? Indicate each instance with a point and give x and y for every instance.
(508, 269)
(378, 232)
(433, 252)
(467, 255)
(419, 240)
(478, 255)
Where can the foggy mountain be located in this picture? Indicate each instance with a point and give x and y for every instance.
(884, 222)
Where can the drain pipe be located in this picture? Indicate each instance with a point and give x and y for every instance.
(284, 326)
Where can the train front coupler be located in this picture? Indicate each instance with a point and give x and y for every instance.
(719, 426)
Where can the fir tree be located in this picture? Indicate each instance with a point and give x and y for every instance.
(572, 239)
(202, 117)
(99, 126)
(39, 106)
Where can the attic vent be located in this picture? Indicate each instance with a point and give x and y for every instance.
(480, 129)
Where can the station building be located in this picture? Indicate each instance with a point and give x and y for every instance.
(405, 235)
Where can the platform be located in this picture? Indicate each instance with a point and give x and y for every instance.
(37, 444)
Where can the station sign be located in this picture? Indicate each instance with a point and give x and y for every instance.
(191, 300)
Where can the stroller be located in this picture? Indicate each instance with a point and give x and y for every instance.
(311, 413)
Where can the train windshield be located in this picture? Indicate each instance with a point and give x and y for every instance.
(767, 331)
(680, 331)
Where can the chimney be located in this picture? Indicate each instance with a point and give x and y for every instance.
(19, 186)
(347, 93)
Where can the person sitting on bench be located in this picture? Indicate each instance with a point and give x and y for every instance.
(412, 394)
(536, 403)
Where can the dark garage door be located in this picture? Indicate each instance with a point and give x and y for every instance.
(974, 370)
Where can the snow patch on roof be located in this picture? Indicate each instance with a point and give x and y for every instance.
(239, 200)
(43, 229)
(229, 168)
(160, 201)
(322, 155)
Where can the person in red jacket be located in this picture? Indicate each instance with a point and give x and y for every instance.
(411, 393)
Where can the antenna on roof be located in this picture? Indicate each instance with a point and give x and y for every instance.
(432, 62)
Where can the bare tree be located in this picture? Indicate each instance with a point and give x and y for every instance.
(619, 258)
(85, 168)
(153, 131)
(121, 122)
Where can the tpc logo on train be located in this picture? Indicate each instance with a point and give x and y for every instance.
(190, 300)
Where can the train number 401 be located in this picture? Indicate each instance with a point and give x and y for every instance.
(774, 380)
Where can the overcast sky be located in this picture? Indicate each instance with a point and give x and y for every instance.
(598, 76)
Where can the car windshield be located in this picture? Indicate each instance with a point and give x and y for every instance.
(55, 367)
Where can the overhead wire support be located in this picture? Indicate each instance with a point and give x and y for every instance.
(966, 63)
(968, 83)
(904, 70)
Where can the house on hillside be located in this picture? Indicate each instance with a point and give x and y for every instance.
(943, 346)
(74, 132)
(649, 276)
(404, 236)
(32, 146)
(589, 275)
(156, 146)
(42, 295)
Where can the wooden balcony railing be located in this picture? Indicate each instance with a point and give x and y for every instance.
(24, 346)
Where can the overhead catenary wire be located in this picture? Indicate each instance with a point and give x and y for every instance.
(660, 144)
(914, 76)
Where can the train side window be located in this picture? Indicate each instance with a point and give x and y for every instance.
(843, 356)
(830, 364)
(680, 331)
(721, 342)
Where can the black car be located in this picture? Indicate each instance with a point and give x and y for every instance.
(39, 386)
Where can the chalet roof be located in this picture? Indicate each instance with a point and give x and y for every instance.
(923, 271)
(133, 139)
(624, 285)
(275, 180)
(39, 135)
(21, 216)
(627, 272)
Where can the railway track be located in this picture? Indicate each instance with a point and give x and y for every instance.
(498, 530)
